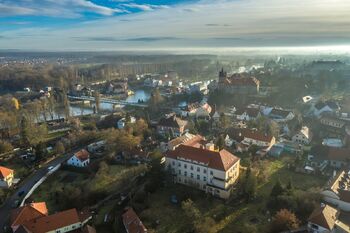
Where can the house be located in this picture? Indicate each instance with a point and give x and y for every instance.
(171, 125)
(186, 139)
(198, 110)
(322, 107)
(26, 213)
(64, 221)
(214, 172)
(304, 136)
(247, 114)
(327, 219)
(132, 222)
(251, 137)
(239, 83)
(80, 159)
(280, 115)
(337, 193)
(122, 122)
(6, 177)
(96, 146)
(332, 127)
(323, 156)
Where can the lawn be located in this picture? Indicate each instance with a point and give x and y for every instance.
(229, 217)
(88, 183)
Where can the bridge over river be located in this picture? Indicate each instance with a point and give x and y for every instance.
(109, 101)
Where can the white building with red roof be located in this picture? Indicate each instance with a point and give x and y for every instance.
(212, 171)
(6, 177)
(132, 222)
(80, 159)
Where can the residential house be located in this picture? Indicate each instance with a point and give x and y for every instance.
(281, 115)
(186, 139)
(171, 125)
(132, 222)
(323, 156)
(6, 177)
(304, 136)
(96, 146)
(332, 127)
(247, 114)
(240, 83)
(251, 137)
(198, 110)
(327, 219)
(26, 213)
(80, 159)
(214, 172)
(337, 193)
(323, 107)
(196, 87)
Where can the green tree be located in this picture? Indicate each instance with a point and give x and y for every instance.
(59, 148)
(277, 189)
(5, 146)
(97, 100)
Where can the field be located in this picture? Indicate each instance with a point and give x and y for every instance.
(233, 216)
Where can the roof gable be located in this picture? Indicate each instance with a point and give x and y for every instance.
(5, 172)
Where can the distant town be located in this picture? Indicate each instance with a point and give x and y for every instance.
(93, 142)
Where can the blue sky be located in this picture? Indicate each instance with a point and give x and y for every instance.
(172, 24)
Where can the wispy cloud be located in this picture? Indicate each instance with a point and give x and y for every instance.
(145, 7)
(203, 23)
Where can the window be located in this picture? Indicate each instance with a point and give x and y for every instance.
(191, 175)
(211, 173)
(198, 177)
(198, 169)
(191, 167)
(185, 165)
(204, 178)
(204, 171)
(174, 163)
(185, 173)
(179, 172)
(179, 164)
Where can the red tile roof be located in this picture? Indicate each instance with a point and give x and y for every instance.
(132, 222)
(5, 172)
(53, 222)
(239, 134)
(222, 160)
(28, 212)
(82, 155)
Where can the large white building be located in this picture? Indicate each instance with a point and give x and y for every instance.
(214, 172)
(80, 159)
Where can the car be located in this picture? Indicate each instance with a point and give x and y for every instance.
(174, 200)
(50, 168)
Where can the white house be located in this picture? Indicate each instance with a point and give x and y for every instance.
(80, 159)
(202, 109)
(281, 115)
(214, 172)
(251, 137)
(324, 107)
(6, 177)
(304, 136)
(247, 114)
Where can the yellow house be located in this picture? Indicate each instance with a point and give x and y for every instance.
(6, 177)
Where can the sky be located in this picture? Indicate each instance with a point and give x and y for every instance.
(187, 25)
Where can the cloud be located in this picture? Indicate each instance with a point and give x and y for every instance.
(145, 7)
(53, 8)
(204, 23)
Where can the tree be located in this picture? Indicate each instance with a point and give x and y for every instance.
(59, 148)
(277, 189)
(155, 100)
(220, 143)
(224, 121)
(284, 220)
(97, 100)
(5, 146)
(24, 131)
(15, 103)
(289, 185)
(200, 223)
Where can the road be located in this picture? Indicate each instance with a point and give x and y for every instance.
(25, 185)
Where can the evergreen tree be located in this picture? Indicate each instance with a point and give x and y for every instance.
(277, 189)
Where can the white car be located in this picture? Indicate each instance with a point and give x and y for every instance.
(50, 168)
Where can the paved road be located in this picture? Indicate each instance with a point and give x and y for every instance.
(25, 186)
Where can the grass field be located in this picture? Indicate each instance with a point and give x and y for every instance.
(229, 217)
